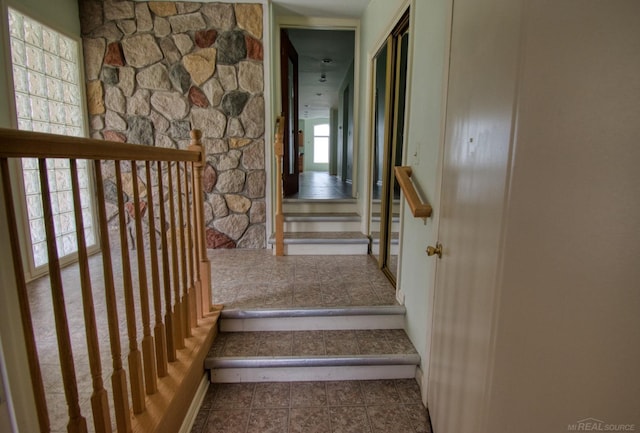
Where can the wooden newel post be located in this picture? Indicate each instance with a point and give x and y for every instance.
(201, 246)
(279, 151)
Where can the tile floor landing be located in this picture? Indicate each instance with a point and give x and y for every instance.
(377, 406)
(316, 185)
(254, 279)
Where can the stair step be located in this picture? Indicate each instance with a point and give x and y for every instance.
(325, 243)
(307, 319)
(321, 222)
(347, 216)
(312, 355)
(319, 205)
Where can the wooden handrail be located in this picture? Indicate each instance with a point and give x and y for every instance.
(167, 373)
(25, 144)
(419, 209)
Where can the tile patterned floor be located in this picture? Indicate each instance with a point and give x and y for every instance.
(378, 406)
(258, 279)
(241, 279)
(312, 343)
(321, 186)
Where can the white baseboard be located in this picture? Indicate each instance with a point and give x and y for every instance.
(423, 388)
(192, 413)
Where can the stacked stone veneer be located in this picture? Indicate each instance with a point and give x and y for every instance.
(155, 70)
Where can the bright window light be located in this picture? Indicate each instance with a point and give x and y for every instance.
(321, 144)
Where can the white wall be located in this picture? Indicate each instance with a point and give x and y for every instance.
(425, 112)
(425, 90)
(568, 336)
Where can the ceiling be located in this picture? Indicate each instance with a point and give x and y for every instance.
(322, 8)
(321, 52)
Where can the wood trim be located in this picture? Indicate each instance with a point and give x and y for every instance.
(23, 299)
(166, 271)
(166, 409)
(148, 345)
(77, 423)
(202, 263)
(134, 358)
(180, 234)
(118, 377)
(191, 300)
(178, 332)
(418, 208)
(279, 152)
(26, 144)
(158, 330)
(99, 404)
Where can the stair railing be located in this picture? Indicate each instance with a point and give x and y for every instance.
(279, 153)
(162, 376)
(419, 209)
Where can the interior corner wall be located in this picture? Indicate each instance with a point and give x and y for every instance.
(425, 108)
(156, 70)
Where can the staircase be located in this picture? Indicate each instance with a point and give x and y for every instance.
(323, 227)
(352, 343)
(337, 320)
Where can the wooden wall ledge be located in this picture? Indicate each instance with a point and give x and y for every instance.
(418, 208)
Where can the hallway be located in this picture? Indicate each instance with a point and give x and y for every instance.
(317, 185)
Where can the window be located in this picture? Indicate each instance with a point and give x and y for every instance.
(321, 144)
(48, 99)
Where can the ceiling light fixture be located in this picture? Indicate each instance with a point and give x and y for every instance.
(327, 60)
(323, 78)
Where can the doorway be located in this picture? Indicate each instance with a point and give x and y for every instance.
(389, 95)
(317, 92)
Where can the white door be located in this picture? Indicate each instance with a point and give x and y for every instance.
(483, 70)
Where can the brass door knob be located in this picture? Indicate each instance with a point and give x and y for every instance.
(437, 250)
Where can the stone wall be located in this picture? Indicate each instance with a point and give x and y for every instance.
(155, 70)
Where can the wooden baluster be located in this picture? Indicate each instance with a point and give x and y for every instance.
(193, 315)
(177, 308)
(134, 358)
(186, 323)
(77, 423)
(148, 346)
(166, 273)
(195, 252)
(279, 151)
(23, 300)
(119, 376)
(99, 404)
(204, 264)
(158, 330)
